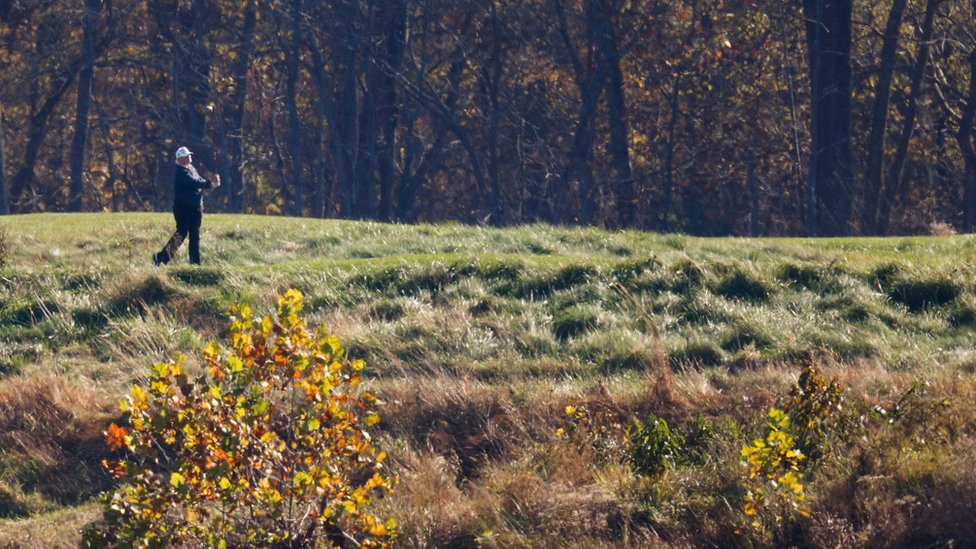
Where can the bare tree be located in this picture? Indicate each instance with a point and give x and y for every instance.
(93, 9)
(874, 177)
(895, 181)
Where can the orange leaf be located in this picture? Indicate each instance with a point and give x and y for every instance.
(115, 436)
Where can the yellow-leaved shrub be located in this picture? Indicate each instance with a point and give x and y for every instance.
(268, 448)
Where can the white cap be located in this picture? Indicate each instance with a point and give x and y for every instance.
(183, 151)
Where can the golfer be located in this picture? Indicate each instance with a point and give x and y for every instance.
(188, 187)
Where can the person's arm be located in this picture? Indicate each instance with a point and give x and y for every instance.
(191, 179)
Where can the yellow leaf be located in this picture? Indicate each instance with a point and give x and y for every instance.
(138, 396)
(176, 480)
(302, 479)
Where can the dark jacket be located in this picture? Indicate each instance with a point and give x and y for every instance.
(187, 186)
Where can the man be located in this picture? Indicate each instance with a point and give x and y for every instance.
(187, 208)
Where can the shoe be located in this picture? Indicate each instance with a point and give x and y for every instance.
(156, 260)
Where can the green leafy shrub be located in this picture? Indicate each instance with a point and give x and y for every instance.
(819, 413)
(775, 478)
(654, 447)
(269, 447)
(797, 437)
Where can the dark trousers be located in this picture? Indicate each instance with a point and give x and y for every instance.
(188, 218)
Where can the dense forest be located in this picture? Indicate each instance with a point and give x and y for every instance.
(750, 117)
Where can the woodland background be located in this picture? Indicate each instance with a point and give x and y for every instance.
(749, 117)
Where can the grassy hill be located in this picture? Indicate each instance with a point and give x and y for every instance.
(479, 339)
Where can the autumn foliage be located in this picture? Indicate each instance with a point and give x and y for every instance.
(268, 448)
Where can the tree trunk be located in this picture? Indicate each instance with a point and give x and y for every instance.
(599, 17)
(894, 182)
(967, 143)
(879, 118)
(24, 179)
(4, 207)
(493, 75)
(533, 140)
(415, 172)
(77, 186)
(234, 186)
(325, 102)
(667, 184)
(368, 129)
(589, 82)
(828, 26)
(393, 38)
(345, 131)
(294, 125)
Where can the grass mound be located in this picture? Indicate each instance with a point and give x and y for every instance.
(918, 295)
(742, 285)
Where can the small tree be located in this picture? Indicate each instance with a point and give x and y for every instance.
(268, 448)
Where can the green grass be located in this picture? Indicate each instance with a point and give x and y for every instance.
(478, 338)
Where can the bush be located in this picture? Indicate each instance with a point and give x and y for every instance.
(270, 449)
(654, 447)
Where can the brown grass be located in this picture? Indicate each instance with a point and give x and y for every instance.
(50, 439)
